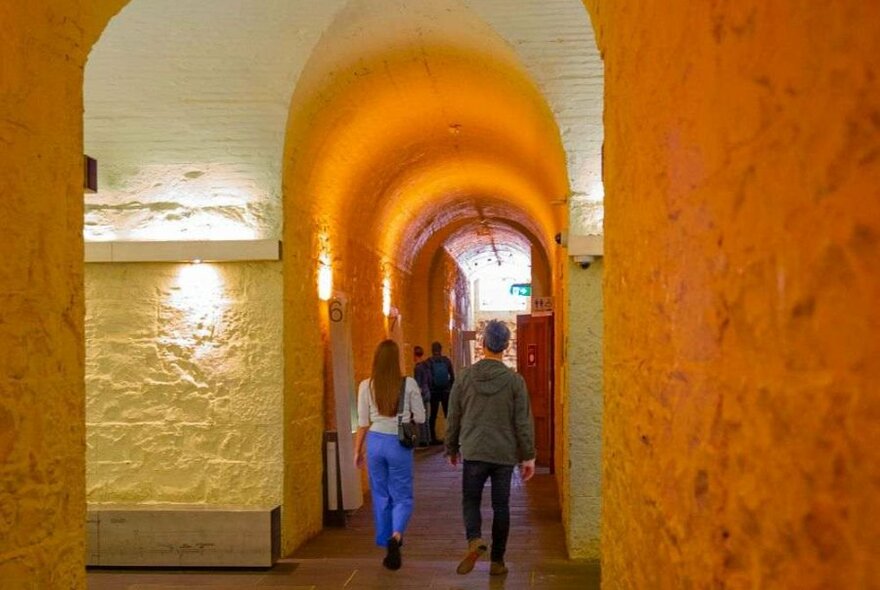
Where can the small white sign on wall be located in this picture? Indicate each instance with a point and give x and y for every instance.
(541, 304)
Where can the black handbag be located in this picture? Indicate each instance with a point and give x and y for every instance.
(407, 432)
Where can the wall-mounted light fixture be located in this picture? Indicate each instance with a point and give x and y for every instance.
(386, 296)
(325, 278)
(451, 310)
(325, 262)
(183, 251)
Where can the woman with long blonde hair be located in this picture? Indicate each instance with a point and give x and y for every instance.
(377, 446)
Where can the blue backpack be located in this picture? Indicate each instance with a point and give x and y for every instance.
(440, 374)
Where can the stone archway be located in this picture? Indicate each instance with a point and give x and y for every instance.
(388, 142)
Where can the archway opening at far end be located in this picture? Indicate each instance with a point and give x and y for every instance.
(497, 261)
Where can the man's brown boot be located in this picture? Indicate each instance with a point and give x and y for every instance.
(476, 549)
(497, 568)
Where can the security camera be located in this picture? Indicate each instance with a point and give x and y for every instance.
(561, 238)
(583, 261)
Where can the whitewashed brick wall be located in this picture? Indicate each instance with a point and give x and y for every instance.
(183, 383)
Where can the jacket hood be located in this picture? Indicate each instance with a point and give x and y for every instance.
(491, 376)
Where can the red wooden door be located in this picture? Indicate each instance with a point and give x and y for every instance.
(534, 361)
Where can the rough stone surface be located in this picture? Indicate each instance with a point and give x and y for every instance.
(184, 383)
(742, 295)
(40, 316)
(304, 383)
(42, 426)
(185, 104)
(583, 410)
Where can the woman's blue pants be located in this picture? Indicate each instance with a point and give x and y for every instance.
(391, 484)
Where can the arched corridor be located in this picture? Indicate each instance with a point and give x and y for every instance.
(395, 161)
(690, 189)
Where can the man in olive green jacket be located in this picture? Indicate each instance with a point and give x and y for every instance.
(490, 425)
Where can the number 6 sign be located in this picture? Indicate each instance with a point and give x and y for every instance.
(337, 311)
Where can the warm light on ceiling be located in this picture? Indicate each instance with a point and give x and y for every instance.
(450, 155)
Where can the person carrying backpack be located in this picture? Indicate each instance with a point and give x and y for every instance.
(442, 377)
(422, 375)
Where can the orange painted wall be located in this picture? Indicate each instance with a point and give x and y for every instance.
(445, 277)
(417, 289)
(742, 166)
(362, 279)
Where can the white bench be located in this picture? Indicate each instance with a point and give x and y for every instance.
(182, 535)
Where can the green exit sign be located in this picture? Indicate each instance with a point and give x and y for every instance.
(521, 289)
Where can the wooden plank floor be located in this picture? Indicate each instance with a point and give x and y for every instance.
(348, 557)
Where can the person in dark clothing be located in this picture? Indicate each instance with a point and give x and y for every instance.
(442, 377)
(491, 428)
(422, 374)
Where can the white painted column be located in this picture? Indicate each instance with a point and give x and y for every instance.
(342, 362)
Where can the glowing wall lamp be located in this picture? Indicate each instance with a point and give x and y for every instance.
(386, 296)
(325, 278)
(451, 310)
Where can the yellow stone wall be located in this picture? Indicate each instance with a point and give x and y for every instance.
(304, 363)
(742, 295)
(184, 383)
(42, 450)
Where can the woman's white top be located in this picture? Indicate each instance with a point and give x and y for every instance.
(368, 412)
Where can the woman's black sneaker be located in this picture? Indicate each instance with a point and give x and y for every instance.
(392, 559)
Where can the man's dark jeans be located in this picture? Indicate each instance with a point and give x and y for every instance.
(438, 397)
(475, 475)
